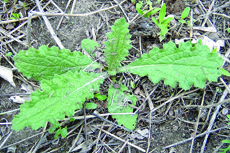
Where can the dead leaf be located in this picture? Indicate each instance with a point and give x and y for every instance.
(20, 100)
(140, 134)
(7, 74)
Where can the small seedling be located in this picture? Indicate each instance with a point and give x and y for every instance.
(228, 30)
(100, 97)
(184, 15)
(8, 54)
(91, 105)
(226, 141)
(162, 22)
(15, 16)
(142, 12)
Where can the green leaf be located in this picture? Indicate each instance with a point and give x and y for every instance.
(164, 30)
(138, 8)
(55, 125)
(91, 105)
(15, 16)
(72, 119)
(155, 21)
(224, 72)
(59, 97)
(185, 13)
(149, 3)
(186, 65)
(182, 21)
(132, 84)
(146, 15)
(61, 131)
(45, 62)
(100, 97)
(162, 13)
(118, 102)
(155, 10)
(89, 45)
(9, 54)
(226, 141)
(117, 46)
(228, 30)
(167, 20)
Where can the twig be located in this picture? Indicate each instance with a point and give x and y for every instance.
(86, 137)
(213, 118)
(139, 148)
(208, 13)
(10, 36)
(40, 142)
(197, 123)
(2, 144)
(122, 10)
(224, 15)
(73, 6)
(146, 99)
(22, 140)
(173, 98)
(151, 106)
(122, 147)
(49, 27)
(197, 136)
(208, 106)
(116, 125)
(21, 19)
(83, 14)
(60, 21)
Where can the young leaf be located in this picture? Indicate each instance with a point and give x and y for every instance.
(155, 21)
(224, 72)
(91, 105)
(155, 10)
(185, 13)
(162, 13)
(138, 8)
(45, 62)
(164, 30)
(9, 54)
(89, 45)
(119, 102)
(60, 97)
(61, 131)
(100, 97)
(15, 16)
(167, 20)
(117, 46)
(186, 65)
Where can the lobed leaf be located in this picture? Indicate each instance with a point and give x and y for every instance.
(186, 65)
(44, 62)
(119, 102)
(117, 46)
(89, 45)
(60, 97)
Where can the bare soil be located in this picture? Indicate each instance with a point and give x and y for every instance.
(175, 124)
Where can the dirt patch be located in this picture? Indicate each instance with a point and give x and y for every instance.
(175, 123)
